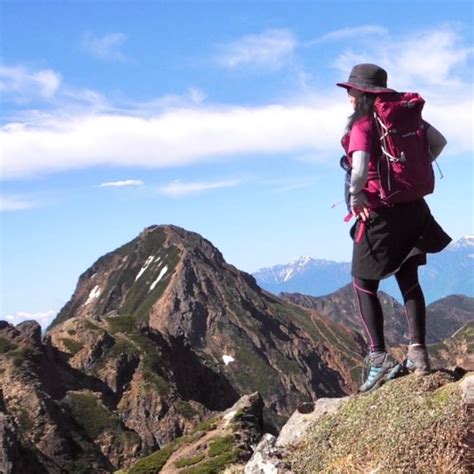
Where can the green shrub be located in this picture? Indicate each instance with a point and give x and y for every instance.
(20, 355)
(156, 380)
(6, 345)
(91, 414)
(186, 409)
(221, 445)
(214, 465)
(25, 423)
(154, 462)
(122, 346)
(90, 325)
(72, 346)
(206, 425)
(190, 460)
(123, 324)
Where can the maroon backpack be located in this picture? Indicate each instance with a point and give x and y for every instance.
(404, 171)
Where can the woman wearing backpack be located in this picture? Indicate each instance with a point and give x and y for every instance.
(389, 239)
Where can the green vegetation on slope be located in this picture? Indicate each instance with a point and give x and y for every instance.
(408, 425)
(89, 413)
(6, 345)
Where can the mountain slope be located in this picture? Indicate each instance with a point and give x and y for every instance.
(176, 283)
(159, 335)
(341, 306)
(444, 316)
(455, 351)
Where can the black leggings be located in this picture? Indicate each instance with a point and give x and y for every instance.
(371, 313)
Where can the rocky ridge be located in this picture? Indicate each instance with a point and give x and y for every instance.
(128, 365)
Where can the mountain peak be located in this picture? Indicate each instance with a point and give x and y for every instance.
(465, 242)
(301, 261)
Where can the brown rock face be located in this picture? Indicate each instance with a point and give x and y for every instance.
(159, 335)
(39, 434)
(455, 351)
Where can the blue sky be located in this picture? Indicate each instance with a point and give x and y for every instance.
(218, 116)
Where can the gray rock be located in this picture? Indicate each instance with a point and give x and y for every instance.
(32, 330)
(298, 424)
(266, 458)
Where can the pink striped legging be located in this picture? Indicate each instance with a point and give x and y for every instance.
(370, 309)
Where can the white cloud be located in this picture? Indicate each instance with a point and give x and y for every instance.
(179, 189)
(105, 47)
(44, 318)
(174, 138)
(121, 184)
(8, 204)
(345, 33)
(20, 84)
(183, 132)
(269, 49)
(424, 59)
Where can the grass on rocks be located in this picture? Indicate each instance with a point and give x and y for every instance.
(408, 425)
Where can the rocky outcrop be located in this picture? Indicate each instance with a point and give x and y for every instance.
(221, 441)
(40, 432)
(271, 454)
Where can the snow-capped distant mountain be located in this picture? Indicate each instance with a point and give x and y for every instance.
(449, 272)
(305, 275)
(466, 242)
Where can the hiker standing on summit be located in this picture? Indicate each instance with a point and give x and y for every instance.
(394, 227)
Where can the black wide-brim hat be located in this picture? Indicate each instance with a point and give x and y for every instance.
(367, 78)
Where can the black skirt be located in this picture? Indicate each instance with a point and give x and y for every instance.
(393, 235)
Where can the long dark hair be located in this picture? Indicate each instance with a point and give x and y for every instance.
(365, 106)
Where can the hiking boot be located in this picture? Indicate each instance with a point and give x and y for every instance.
(417, 360)
(380, 367)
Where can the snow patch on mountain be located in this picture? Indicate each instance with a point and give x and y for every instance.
(160, 276)
(144, 267)
(227, 359)
(93, 294)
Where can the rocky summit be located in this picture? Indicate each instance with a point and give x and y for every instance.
(159, 336)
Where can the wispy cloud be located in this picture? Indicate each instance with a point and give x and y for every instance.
(345, 33)
(108, 47)
(122, 184)
(10, 204)
(44, 318)
(424, 59)
(20, 84)
(268, 49)
(179, 189)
